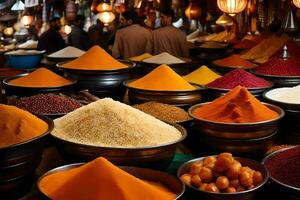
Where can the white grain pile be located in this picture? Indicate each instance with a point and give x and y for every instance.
(29, 44)
(163, 58)
(67, 52)
(24, 52)
(287, 94)
(109, 123)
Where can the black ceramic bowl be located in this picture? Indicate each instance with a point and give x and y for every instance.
(226, 69)
(21, 91)
(172, 183)
(244, 195)
(182, 98)
(279, 81)
(18, 163)
(283, 166)
(236, 130)
(153, 156)
(101, 83)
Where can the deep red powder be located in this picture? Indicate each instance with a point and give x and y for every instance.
(285, 166)
(278, 67)
(239, 77)
(293, 49)
(6, 72)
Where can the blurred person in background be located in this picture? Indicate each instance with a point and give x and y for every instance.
(51, 40)
(132, 39)
(78, 37)
(168, 38)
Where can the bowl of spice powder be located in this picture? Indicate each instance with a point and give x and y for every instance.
(21, 148)
(283, 166)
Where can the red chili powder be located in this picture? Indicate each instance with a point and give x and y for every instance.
(284, 166)
(234, 61)
(245, 44)
(279, 67)
(239, 77)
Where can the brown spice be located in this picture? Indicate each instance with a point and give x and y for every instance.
(164, 112)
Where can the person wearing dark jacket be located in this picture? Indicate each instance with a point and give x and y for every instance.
(51, 40)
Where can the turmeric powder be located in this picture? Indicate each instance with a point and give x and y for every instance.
(202, 76)
(41, 77)
(237, 106)
(95, 58)
(162, 78)
(100, 179)
(17, 125)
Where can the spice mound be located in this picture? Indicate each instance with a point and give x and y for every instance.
(164, 112)
(163, 58)
(67, 52)
(284, 166)
(47, 104)
(236, 106)
(280, 67)
(239, 77)
(109, 123)
(234, 61)
(245, 44)
(141, 57)
(286, 95)
(17, 125)
(100, 179)
(162, 78)
(202, 76)
(221, 173)
(41, 77)
(95, 58)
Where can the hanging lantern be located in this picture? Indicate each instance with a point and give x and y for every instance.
(8, 31)
(27, 20)
(103, 7)
(106, 17)
(232, 6)
(193, 11)
(297, 3)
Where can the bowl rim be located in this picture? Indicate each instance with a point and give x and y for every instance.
(277, 101)
(197, 88)
(265, 180)
(273, 76)
(274, 154)
(129, 64)
(75, 165)
(180, 128)
(47, 120)
(38, 53)
(6, 82)
(232, 67)
(185, 60)
(281, 114)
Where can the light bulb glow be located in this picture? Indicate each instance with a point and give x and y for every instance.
(106, 17)
(232, 6)
(297, 3)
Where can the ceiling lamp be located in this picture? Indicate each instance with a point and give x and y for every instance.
(193, 10)
(103, 7)
(232, 7)
(8, 31)
(27, 20)
(297, 3)
(224, 20)
(106, 17)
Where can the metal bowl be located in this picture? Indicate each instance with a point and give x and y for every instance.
(182, 98)
(214, 93)
(153, 156)
(21, 91)
(179, 68)
(59, 59)
(171, 182)
(237, 130)
(279, 81)
(245, 195)
(18, 163)
(101, 83)
(287, 161)
(27, 61)
(283, 105)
